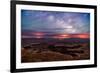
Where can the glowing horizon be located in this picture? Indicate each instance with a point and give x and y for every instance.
(57, 36)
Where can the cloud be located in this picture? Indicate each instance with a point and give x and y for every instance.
(50, 18)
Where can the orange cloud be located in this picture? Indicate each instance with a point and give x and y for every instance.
(63, 36)
(82, 36)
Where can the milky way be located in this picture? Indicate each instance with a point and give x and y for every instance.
(52, 22)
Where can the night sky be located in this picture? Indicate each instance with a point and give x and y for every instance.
(50, 23)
